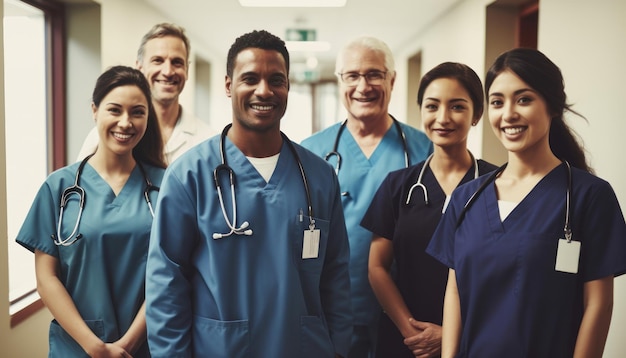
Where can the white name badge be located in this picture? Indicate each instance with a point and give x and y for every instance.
(567, 256)
(311, 244)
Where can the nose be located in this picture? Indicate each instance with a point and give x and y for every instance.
(263, 89)
(124, 121)
(167, 68)
(443, 115)
(362, 84)
(509, 112)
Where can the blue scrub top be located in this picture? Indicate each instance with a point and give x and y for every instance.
(104, 271)
(359, 178)
(513, 301)
(247, 296)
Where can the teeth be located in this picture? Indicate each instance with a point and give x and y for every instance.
(122, 136)
(514, 130)
(261, 108)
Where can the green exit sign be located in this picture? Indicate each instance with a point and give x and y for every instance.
(300, 35)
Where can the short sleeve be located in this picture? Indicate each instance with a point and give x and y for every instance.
(39, 225)
(603, 248)
(382, 215)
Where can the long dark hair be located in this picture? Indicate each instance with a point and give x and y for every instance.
(150, 146)
(540, 73)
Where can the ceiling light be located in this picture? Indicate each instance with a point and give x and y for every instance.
(307, 46)
(293, 3)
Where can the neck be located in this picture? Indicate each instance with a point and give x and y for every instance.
(531, 162)
(369, 128)
(256, 144)
(112, 164)
(451, 160)
(167, 114)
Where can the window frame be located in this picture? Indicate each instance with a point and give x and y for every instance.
(54, 15)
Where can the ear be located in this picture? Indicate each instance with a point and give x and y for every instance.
(393, 79)
(138, 65)
(94, 110)
(227, 85)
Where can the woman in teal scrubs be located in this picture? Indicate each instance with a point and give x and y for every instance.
(91, 274)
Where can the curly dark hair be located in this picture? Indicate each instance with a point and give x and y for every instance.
(256, 39)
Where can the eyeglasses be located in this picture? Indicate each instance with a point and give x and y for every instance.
(373, 78)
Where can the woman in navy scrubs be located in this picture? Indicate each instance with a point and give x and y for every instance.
(534, 252)
(403, 215)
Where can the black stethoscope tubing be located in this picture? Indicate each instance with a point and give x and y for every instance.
(76, 189)
(567, 230)
(224, 167)
(334, 152)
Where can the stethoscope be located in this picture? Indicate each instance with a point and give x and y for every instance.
(77, 190)
(419, 184)
(492, 177)
(244, 229)
(334, 152)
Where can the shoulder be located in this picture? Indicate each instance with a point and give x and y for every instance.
(204, 153)
(191, 124)
(587, 182)
(412, 132)
(485, 167)
(311, 159)
(154, 174)
(404, 176)
(322, 138)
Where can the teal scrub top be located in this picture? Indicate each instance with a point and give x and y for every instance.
(104, 271)
(360, 178)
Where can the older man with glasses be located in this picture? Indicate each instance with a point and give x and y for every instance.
(369, 144)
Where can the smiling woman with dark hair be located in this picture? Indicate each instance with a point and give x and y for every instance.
(534, 248)
(91, 274)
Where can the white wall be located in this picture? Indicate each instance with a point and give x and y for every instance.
(585, 39)
(587, 43)
(457, 36)
(29, 339)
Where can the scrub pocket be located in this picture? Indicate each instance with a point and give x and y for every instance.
(62, 345)
(313, 265)
(221, 339)
(316, 342)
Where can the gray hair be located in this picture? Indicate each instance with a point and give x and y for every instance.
(370, 43)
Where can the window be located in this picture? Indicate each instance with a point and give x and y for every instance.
(34, 127)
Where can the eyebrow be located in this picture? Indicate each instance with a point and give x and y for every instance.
(452, 100)
(515, 93)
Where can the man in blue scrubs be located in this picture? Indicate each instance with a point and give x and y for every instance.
(370, 143)
(256, 266)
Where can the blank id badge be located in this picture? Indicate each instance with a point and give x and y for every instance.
(567, 255)
(311, 244)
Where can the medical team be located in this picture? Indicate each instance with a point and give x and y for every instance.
(285, 273)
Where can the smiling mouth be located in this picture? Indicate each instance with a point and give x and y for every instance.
(167, 83)
(122, 136)
(259, 107)
(513, 130)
